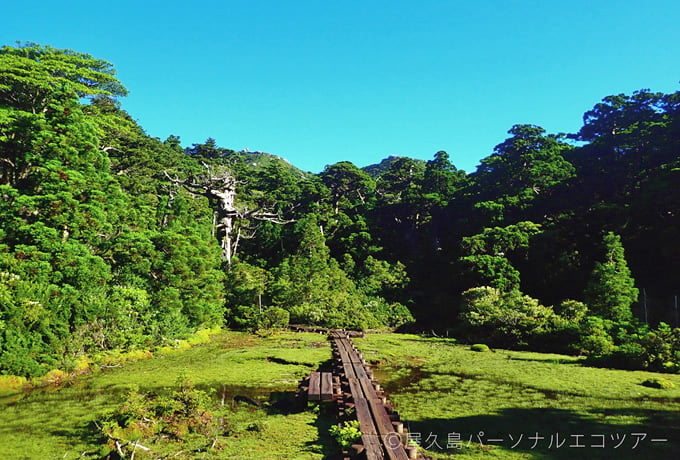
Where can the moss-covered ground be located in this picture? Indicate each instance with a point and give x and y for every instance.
(534, 405)
(59, 423)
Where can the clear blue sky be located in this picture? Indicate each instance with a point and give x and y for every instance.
(319, 82)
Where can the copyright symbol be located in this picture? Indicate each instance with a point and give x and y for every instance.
(392, 440)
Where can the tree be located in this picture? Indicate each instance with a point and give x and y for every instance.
(523, 167)
(348, 184)
(612, 290)
(441, 178)
(31, 74)
(486, 255)
(311, 285)
(218, 184)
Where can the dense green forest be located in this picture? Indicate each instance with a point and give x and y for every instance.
(114, 240)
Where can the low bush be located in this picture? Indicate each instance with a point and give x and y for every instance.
(479, 347)
(347, 434)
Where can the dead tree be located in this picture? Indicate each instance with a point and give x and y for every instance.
(219, 187)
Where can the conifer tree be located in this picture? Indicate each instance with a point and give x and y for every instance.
(611, 289)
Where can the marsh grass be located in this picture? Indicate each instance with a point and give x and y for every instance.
(59, 422)
(441, 389)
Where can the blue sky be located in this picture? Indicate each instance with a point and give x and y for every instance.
(320, 82)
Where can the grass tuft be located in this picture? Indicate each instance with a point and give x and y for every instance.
(480, 347)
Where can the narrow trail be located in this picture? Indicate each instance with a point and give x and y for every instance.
(383, 435)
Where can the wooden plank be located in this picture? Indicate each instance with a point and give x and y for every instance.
(352, 354)
(326, 391)
(375, 424)
(360, 371)
(349, 370)
(314, 392)
(369, 435)
(390, 438)
(383, 423)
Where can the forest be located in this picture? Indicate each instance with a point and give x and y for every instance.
(111, 239)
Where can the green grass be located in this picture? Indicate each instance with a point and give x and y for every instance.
(441, 388)
(59, 423)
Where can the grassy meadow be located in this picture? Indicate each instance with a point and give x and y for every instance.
(59, 423)
(456, 401)
(535, 406)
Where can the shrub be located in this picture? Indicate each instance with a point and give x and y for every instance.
(274, 318)
(53, 377)
(595, 339)
(347, 434)
(479, 347)
(82, 364)
(658, 382)
(572, 310)
(504, 319)
(389, 314)
(11, 383)
(151, 417)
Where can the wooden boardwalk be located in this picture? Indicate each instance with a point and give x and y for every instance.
(382, 437)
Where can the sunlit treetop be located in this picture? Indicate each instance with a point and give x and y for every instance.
(31, 74)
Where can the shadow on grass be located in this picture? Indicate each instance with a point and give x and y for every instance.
(323, 423)
(547, 360)
(555, 434)
(273, 359)
(432, 339)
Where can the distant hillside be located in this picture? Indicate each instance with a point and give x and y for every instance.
(378, 169)
(260, 160)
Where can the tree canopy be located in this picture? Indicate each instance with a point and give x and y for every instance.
(111, 239)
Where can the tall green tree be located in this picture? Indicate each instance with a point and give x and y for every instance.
(349, 185)
(31, 74)
(523, 168)
(311, 285)
(612, 290)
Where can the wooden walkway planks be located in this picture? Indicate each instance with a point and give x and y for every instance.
(378, 435)
(326, 390)
(314, 392)
(320, 386)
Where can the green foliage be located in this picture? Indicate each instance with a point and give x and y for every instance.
(346, 434)
(30, 74)
(596, 341)
(506, 319)
(144, 418)
(94, 259)
(572, 310)
(634, 346)
(253, 319)
(391, 315)
(487, 254)
(480, 347)
(314, 289)
(274, 318)
(379, 276)
(108, 246)
(523, 169)
(611, 290)
(349, 186)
